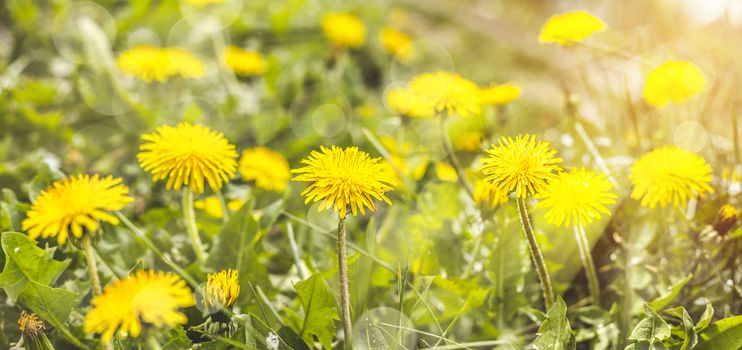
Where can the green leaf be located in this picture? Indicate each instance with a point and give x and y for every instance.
(176, 340)
(320, 309)
(555, 332)
(723, 334)
(25, 262)
(691, 339)
(51, 304)
(669, 297)
(651, 328)
(291, 339)
(706, 317)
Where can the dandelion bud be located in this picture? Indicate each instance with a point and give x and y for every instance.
(33, 331)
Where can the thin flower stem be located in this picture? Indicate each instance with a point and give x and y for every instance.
(87, 246)
(344, 291)
(190, 219)
(538, 258)
(151, 245)
(451, 155)
(152, 342)
(587, 263)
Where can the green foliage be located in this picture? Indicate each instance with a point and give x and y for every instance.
(320, 310)
(25, 262)
(555, 332)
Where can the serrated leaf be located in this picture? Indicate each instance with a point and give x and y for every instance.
(320, 310)
(669, 297)
(723, 334)
(52, 304)
(651, 328)
(555, 332)
(25, 262)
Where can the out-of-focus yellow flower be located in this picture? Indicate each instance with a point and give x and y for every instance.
(467, 140)
(204, 3)
(75, 204)
(669, 175)
(268, 168)
(523, 165)
(576, 198)
(343, 30)
(447, 92)
(570, 27)
(150, 63)
(673, 81)
(727, 218)
(405, 102)
(489, 194)
(222, 290)
(397, 43)
(188, 154)
(345, 177)
(500, 94)
(150, 297)
(243, 62)
(445, 172)
(213, 206)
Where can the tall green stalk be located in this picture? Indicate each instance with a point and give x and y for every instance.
(536, 256)
(344, 290)
(588, 264)
(190, 219)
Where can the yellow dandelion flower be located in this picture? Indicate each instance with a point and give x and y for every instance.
(405, 102)
(187, 155)
(150, 297)
(489, 194)
(447, 92)
(467, 140)
(445, 172)
(673, 81)
(268, 168)
(204, 3)
(523, 165)
(498, 95)
(576, 197)
(75, 204)
(669, 175)
(345, 177)
(343, 30)
(221, 290)
(570, 27)
(727, 218)
(213, 206)
(397, 43)
(151, 63)
(243, 62)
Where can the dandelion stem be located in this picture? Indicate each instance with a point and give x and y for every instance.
(87, 246)
(152, 342)
(538, 258)
(344, 291)
(451, 155)
(190, 219)
(587, 263)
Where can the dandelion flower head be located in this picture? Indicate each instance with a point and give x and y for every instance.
(522, 165)
(404, 102)
(150, 297)
(500, 94)
(75, 204)
(343, 30)
(489, 194)
(268, 168)
(447, 92)
(188, 155)
(243, 62)
(571, 27)
(576, 197)
(342, 177)
(397, 43)
(669, 175)
(221, 290)
(149, 63)
(673, 81)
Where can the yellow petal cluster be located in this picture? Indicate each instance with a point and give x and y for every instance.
(489, 194)
(243, 62)
(499, 94)
(571, 27)
(524, 165)
(343, 30)
(403, 102)
(75, 205)
(576, 197)
(669, 175)
(342, 177)
(150, 63)
(221, 290)
(213, 206)
(188, 155)
(268, 168)
(673, 82)
(144, 297)
(446, 92)
(397, 43)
